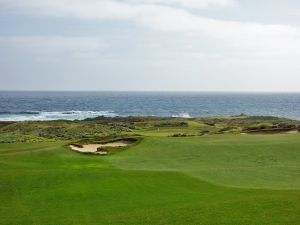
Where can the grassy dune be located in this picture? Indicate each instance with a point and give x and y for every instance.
(226, 179)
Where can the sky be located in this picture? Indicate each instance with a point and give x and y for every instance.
(150, 45)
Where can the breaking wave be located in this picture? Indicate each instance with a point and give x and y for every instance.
(182, 115)
(47, 116)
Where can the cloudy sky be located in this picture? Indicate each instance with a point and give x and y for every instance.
(167, 45)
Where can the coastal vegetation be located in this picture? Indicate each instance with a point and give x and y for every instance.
(237, 170)
(102, 128)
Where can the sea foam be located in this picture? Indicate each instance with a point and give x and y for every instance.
(48, 116)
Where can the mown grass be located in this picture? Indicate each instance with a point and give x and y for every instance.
(160, 181)
(256, 161)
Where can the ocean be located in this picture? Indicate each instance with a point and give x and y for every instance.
(27, 106)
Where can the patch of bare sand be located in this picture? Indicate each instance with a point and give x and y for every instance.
(295, 131)
(93, 148)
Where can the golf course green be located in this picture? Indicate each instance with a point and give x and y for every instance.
(228, 179)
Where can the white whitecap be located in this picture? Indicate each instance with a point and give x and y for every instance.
(182, 115)
(64, 115)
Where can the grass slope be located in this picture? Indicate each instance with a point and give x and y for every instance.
(156, 182)
(249, 161)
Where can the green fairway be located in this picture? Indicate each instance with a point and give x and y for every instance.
(210, 180)
(255, 161)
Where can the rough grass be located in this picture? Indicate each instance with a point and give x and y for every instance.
(102, 127)
(159, 181)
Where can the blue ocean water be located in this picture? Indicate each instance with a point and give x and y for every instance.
(20, 106)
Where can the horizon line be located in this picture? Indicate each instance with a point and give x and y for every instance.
(157, 91)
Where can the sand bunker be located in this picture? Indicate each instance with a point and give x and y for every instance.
(96, 148)
(293, 131)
